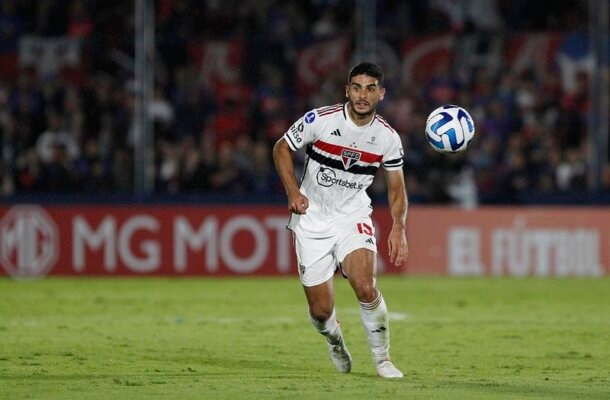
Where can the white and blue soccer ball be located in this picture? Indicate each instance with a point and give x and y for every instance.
(449, 129)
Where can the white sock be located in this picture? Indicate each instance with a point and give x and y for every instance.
(375, 322)
(329, 328)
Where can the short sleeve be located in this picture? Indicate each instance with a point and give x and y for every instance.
(302, 131)
(394, 154)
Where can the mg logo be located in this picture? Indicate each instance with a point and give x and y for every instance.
(29, 241)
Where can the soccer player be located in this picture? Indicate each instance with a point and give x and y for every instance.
(331, 211)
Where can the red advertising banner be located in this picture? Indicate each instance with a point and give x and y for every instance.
(144, 240)
(253, 240)
(512, 241)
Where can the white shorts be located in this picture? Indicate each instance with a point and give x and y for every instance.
(319, 257)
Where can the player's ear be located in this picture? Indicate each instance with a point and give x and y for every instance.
(381, 93)
(347, 91)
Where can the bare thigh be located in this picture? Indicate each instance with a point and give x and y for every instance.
(360, 266)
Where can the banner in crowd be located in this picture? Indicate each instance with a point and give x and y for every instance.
(48, 55)
(122, 240)
(417, 58)
(220, 62)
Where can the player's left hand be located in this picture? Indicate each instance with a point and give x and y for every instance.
(398, 248)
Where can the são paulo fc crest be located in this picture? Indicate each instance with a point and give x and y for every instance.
(349, 157)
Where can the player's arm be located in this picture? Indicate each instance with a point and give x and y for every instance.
(398, 203)
(284, 164)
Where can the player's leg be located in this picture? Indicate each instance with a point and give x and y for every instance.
(360, 266)
(316, 271)
(322, 315)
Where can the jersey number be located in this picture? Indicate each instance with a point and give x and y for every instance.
(365, 228)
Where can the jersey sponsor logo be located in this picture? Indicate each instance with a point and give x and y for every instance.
(310, 117)
(296, 128)
(350, 157)
(336, 132)
(295, 131)
(327, 177)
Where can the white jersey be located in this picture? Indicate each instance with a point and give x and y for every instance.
(342, 160)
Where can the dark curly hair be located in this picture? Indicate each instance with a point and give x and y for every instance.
(366, 68)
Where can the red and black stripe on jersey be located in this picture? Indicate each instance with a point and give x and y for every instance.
(329, 109)
(383, 122)
(390, 163)
(314, 151)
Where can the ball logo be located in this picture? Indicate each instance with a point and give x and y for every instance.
(29, 241)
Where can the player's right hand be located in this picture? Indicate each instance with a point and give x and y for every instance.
(298, 204)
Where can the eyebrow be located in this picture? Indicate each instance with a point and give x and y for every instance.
(368, 86)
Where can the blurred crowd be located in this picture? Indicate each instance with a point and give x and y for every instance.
(72, 131)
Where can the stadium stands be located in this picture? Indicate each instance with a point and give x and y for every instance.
(232, 75)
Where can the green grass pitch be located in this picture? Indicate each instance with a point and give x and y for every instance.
(249, 338)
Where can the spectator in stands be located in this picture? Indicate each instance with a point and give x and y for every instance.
(194, 171)
(27, 171)
(12, 26)
(80, 21)
(571, 171)
(91, 173)
(56, 139)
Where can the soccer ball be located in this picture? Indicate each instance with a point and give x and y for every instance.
(449, 129)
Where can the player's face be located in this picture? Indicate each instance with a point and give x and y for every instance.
(364, 93)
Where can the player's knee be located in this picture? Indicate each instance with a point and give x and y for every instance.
(320, 313)
(366, 291)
